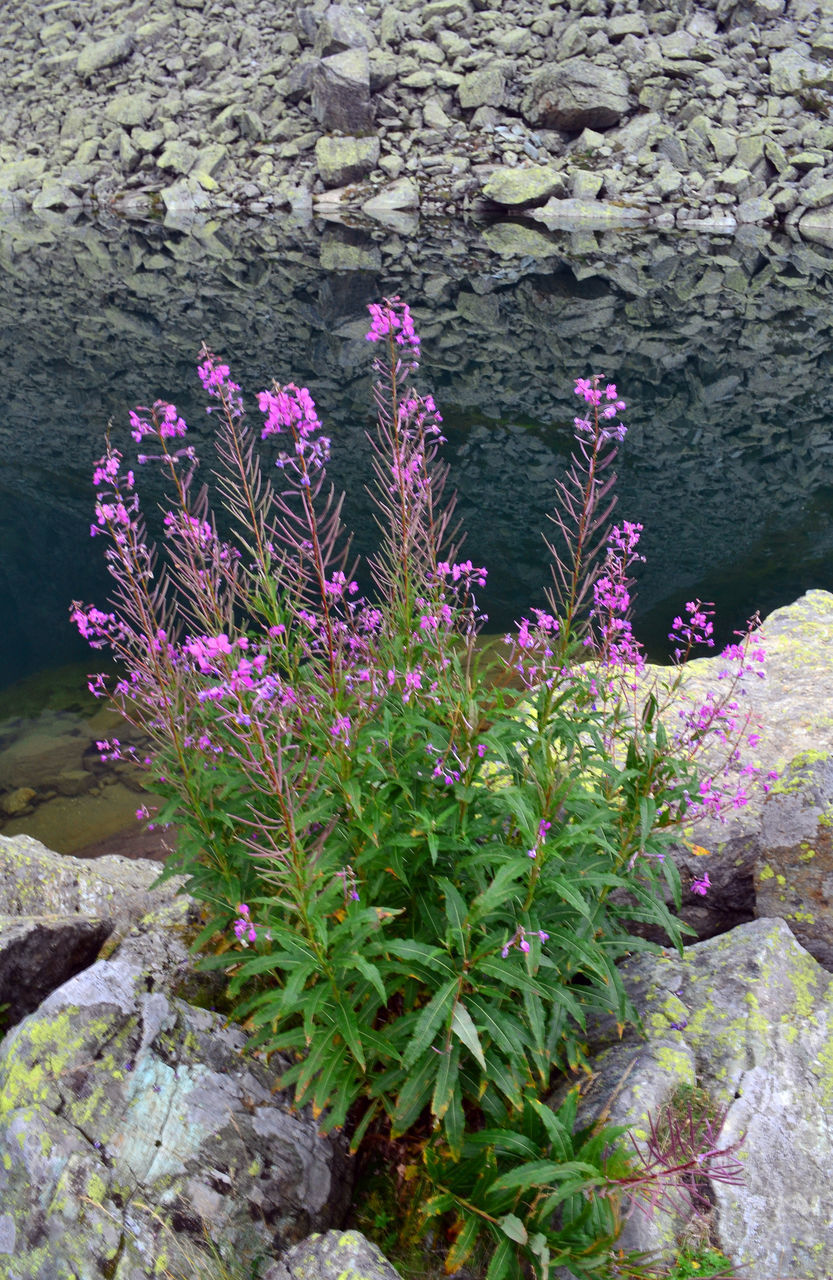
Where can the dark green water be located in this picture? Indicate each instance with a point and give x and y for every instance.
(722, 349)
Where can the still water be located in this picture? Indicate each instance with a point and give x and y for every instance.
(721, 347)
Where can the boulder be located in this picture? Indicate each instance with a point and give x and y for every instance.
(130, 109)
(38, 954)
(342, 27)
(792, 69)
(34, 881)
(746, 1018)
(342, 160)
(523, 185)
(482, 88)
(337, 1255)
(818, 226)
(341, 92)
(402, 194)
(576, 94)
(590, 213)
(133, 1129)
(105, 53)
(793, 873)
(788, 714)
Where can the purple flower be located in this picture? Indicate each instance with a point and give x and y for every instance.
(702, 886)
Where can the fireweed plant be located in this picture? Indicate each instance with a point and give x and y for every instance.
(422, 872)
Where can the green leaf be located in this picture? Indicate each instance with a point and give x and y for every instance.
(446, 1081)
(371, 972)
(512, 1227)
(463, 1245)
(363, 1126)
(455, 910)
(420, 954)
(566, 891)
(500, 1266)
(436, 1205)
(542, 1173)
(498, 892)
(504, 1031)
(428, 1022)
(455, 1122)
(347, 1024)
(414, 1094)
(465, 1030)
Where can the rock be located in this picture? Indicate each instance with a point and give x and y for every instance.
(34, 881)
(788, 712)
(177, 157)
(790, 69)
(402, 194)
(341, 92)
(75, 782)
(342, 27)
(585, 184)
(818, 193)
(523, 185)
(51, 746)
(146, 1108)
(434, 116)
(576, 94)
(17, 802)
(105, 53)
(818, 226)
(130, 109)
(342, 160)
(748, 1018)
(590, 213)
(182, 200)
(483, 88)
(793, 878)
(344, 1254)
(758, 209)
(246, 122)
(38, 954)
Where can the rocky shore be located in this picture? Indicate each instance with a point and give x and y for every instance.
(608, 112)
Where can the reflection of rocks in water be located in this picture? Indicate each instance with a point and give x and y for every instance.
(53, 783)
(720, 347)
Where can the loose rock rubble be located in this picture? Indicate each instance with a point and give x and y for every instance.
(686, 114)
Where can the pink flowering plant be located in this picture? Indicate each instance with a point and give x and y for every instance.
(423, 866)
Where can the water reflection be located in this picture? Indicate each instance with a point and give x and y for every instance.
(722, 349)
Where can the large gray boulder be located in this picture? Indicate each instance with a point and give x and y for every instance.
(105, 53)
(576, 94)
(343, 27)
(342, 160)
(34, 881)
(523, 185)
(341, 92)
(133, 1130)
(747, 1020)
(778, 845)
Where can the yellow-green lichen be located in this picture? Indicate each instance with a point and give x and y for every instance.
(766, 872)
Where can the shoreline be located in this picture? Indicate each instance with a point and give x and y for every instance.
(572, 114)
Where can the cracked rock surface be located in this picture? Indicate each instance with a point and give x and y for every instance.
(130, 1122)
